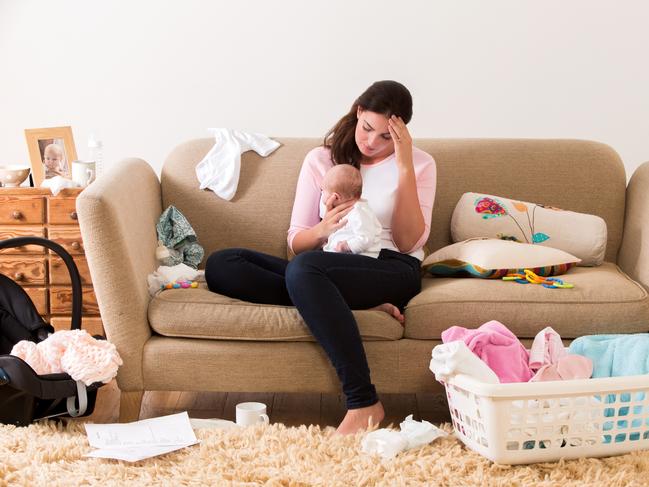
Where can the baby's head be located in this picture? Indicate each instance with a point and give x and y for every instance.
(344, 181)
(52, 156)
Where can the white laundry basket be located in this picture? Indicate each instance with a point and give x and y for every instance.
(533, 422)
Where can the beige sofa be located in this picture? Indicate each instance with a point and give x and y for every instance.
(195, 340)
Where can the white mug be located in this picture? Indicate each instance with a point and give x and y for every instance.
(83, 172)
(249, 413)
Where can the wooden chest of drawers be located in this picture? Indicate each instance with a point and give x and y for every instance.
(34, 211)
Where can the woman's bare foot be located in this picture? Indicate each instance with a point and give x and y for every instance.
(390, 309)
(361, 419)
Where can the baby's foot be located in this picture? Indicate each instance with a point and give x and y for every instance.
(390, 309)
(343, 247)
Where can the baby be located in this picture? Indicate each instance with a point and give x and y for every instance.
(54, 161)
(362, 232)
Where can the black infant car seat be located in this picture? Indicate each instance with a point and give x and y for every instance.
(24, 395)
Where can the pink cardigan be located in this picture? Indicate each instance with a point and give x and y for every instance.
(316, 163)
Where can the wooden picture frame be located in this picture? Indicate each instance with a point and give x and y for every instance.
(51, 152)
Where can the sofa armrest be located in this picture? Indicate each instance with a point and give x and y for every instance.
(117, 216)
(633, 256)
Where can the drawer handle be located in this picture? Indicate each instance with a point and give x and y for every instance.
(16, 215)
(73, 215)
(19, 276)
(75, 245)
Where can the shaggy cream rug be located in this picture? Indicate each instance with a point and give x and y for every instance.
(51, 454)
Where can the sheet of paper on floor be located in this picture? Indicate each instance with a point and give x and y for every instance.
(141, 439)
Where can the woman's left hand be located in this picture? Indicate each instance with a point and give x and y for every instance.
(402, 141)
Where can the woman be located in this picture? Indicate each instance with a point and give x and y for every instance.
(399, 185)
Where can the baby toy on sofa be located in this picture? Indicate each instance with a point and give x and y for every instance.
(180, 283)
(531, 277)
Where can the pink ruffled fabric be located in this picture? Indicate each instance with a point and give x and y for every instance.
(547, 348)
(74, 352)
(568, 367)
(497, 347)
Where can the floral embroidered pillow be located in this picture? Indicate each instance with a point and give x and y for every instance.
(483, 215)
(492, 258)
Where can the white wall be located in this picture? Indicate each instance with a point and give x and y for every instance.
(146, 75)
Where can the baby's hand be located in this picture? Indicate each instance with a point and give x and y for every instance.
(343, 247)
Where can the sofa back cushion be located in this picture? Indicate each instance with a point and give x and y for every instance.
(576, 175)
(258, 215)
(581, 176)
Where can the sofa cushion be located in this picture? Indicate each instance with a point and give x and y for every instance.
(200, 313)
(604, 300)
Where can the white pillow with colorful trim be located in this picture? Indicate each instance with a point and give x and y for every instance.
(492, 258)
(483, 215)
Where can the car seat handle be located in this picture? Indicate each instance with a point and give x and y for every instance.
(75, 278)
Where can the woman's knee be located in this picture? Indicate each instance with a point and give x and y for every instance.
(302, 265)
(219, 265)
(220, 258)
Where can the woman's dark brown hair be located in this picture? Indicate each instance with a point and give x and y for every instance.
(385, 97)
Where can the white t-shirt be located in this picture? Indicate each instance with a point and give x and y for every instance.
(362, 232)
(380, 183)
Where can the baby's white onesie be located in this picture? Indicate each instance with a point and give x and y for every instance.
(362, 231)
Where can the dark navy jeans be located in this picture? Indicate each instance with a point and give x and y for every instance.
(325, 287)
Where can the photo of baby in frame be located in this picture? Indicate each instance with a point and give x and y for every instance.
(51, 152)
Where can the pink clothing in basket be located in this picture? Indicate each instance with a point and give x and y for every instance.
(547, 348)
(568, 367)
(497, 347)
(74, 352)
(550, 360)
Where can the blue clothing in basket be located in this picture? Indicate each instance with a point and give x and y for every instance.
(617, 356)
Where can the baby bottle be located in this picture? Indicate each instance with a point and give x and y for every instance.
(96, 153)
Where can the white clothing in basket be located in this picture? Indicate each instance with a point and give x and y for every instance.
(455, 358)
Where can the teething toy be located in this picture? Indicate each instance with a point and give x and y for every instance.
(530, 277)
(180, 283)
